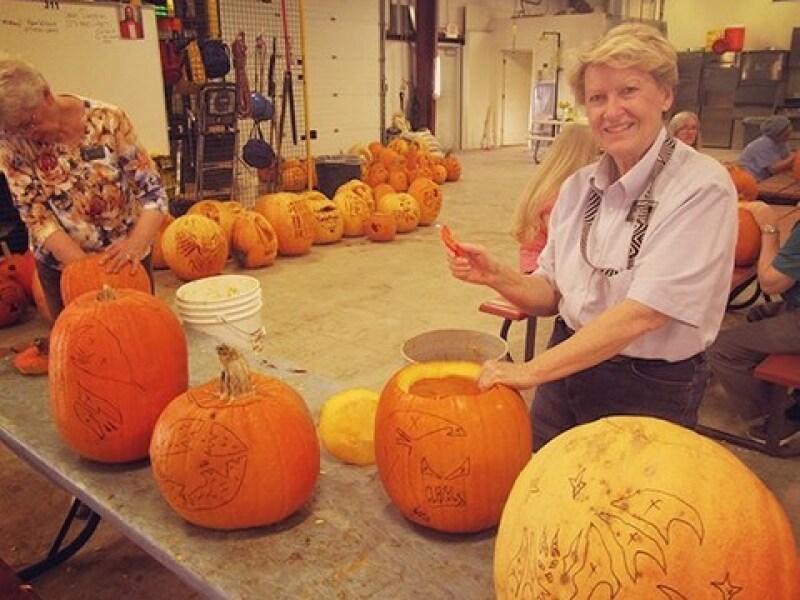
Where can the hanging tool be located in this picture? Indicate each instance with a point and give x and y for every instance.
(271, 76)
(239, 48)
(288, 90)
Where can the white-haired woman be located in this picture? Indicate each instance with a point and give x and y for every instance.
(78, 175)
(685, 126)
(574, 148)
(638, 259)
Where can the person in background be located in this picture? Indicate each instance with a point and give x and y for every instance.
(130, 27)
(771, 328)
(769, 154)
(638, 259)
(574, 148)
(685, 126)
(79, 177)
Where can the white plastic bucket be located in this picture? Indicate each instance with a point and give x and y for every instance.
(454, 344)
(227, 307)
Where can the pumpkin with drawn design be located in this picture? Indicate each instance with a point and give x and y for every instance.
(239, 450)
(629, 508)
(448, 452)
(117, 358)
(254, 243)
(291, 218)
(91, 274)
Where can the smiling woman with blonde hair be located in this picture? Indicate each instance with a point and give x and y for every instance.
(638, 260)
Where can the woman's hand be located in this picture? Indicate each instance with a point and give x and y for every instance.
(474, 265)
(126, 252)
(516, 375)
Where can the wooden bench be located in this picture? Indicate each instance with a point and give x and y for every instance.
(500, 307)
(11, 587)
(783, 372)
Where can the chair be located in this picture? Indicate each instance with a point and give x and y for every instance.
(500, 307)
(783, 372)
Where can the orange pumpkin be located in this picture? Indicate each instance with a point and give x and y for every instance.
(404, 208)
(13, 302)
(213, 460)
(398, 179)
(294, 177)
(291, 219)
(453, 167)
(429, 196)
(380, 190)
(329, 224)
(796, 165)
(376, 175)
(745, 183)
(35, 359)
(375, 148)
(195, 247)
(381, 227)
(117, 358)
(214, 210)
(448, 453)
(88, 274)
(253, 241)
(356, 203)
(634, 507)
(20, 268)
(158, 260)
(748, 240)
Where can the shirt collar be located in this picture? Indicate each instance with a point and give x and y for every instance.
(634, 181)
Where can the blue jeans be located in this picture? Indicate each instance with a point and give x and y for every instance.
(618, 386)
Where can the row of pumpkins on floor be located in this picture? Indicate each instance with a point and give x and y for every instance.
(198, 244)
(398, 163)
(450, 457)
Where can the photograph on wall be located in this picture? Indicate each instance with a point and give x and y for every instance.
(130, 22)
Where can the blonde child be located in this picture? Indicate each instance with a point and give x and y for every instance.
(572, 149)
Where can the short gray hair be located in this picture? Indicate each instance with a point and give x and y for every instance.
(626, 46)
(22, 88)
(681, 120)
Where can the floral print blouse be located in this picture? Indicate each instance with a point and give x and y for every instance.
(94, 191)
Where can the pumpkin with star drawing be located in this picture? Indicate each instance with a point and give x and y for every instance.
(633, 507)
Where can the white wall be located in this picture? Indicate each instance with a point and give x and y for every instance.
(767, 23)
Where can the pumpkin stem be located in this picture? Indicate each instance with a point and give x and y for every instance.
(106, 294)
(234, 380)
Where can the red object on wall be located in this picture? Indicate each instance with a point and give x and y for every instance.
(734, 38)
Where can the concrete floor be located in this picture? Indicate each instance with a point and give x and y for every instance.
(343, 312)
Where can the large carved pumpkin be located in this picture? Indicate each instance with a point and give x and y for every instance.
(159, 262)
(238, 451)
(254, 243)
(405, 209)
(356, 203)
(195, 247)
(214, 210)
(329, 224)
(429, 196)
(748, 240)
(13, 302)
(635, 508)
(117, 358)
(291, 219)
(745, 183)
(448, 453)
(88, 274)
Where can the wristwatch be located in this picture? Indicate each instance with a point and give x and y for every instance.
(769, 230)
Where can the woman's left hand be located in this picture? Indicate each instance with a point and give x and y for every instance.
(512, 374)
(123, 253)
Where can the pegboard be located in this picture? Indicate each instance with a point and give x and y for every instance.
(269, 28)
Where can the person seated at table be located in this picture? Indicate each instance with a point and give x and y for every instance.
(769, 154)
(638, 260)
(574, 148)
(771, 328)
(685, 126)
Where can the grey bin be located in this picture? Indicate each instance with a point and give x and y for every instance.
(335, 169)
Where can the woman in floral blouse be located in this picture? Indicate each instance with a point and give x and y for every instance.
(79, 177)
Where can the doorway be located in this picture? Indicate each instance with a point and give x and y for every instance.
(515, 97)
(448, 104)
